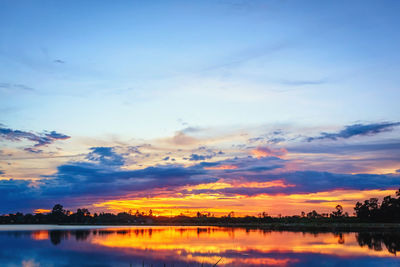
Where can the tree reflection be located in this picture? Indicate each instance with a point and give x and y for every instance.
(374, 241)
(340, 238)
(81, 235)
(56, 236)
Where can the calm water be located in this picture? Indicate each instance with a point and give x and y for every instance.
(191, 246)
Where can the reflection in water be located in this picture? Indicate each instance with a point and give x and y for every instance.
(193, 246)
(57, 235)
(376, 240)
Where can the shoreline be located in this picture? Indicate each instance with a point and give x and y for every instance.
(293, 227)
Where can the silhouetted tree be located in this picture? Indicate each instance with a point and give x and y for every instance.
(371, 210)
(58, 214)
(338, 213)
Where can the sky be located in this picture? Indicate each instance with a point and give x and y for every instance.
(210, 106)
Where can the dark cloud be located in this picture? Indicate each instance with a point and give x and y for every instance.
(231, 168)
(274, 137)
(196, 157)
(55, 135)
(303, 182)
(105, 156)
(389, 146)
(357, 130)
(16, 195)
(203, 149)
(33, 150)
(42, 139)
(102, 177)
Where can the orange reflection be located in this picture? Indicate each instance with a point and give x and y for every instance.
(40, 235)
(233, 245)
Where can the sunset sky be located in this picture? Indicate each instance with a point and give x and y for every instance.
(210, 106)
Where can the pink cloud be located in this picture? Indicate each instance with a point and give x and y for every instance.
(261, 152)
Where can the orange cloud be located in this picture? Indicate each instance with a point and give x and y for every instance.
(42, 211)
(222, 167)
(275, 183)
(261, 152)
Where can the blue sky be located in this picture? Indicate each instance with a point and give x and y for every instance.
(171, 73)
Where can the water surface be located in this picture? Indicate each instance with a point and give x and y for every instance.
(44, 245)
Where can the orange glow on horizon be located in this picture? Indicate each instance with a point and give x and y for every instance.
(42, 211)
(221, 204)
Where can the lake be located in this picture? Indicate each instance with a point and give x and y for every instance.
(47, 245)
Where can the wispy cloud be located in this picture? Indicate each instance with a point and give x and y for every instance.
(249, 54)
(357, 130)
(40, 140)
(59, 61)
(14, 87)
(261, 152)
(303, 82)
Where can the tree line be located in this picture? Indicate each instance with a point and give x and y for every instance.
(368, 211)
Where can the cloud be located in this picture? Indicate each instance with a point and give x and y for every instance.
(249, 54)
(59, 61)
(182, 139)
(389, 147)
(16, 195)
(33, 150)
(105, 156)
(273, 137)
(189, 130)
(136, 149)
(196, 157)
(102, 176)
(303, 82)
(261, 152)
(42, 139)
(229, 167)
(15, 87)
(357, 130)
(96, 182)
(304, 182)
